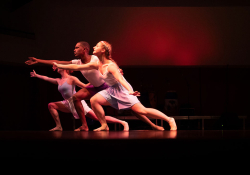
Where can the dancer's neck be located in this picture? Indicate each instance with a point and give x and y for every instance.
(64, 75)
(85, 58)
(104, 60)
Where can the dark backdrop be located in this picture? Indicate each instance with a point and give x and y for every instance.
(213, 90)
(162, 46)
(141, 33)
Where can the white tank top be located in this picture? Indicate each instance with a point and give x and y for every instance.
(93, 76)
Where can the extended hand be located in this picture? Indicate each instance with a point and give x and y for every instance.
(31, 61)
(121, 71)
(33, 74)
(136, 93)
(55, 66)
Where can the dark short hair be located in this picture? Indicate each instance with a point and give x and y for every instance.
(84, 44)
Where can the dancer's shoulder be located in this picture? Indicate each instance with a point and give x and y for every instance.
(58, 80)
(94, 58)
(71, 77)
(112, 67)
(76, 61)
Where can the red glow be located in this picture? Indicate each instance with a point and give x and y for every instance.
(154, 36)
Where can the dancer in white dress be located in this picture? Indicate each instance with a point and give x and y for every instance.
(66, 86)
(120, 94)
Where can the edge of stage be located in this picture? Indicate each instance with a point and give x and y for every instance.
(121, 145)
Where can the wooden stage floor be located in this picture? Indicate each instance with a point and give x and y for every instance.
(132, 145)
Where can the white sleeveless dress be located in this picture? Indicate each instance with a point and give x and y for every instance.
(116, 94)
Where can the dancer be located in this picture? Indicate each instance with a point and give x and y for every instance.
(94, 77)
(66, 86)
(120, 94)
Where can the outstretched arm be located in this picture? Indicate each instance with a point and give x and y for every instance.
(33, 60)
(75, 67)
(113, 69)
(51, 80)
(77, 82)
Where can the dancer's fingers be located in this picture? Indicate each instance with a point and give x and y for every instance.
(121, 71)
(136, 93)
(54, 67)
(33, 74)
(32, 58)
(28, 62)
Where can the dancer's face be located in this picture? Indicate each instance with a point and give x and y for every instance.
(62, 71)
(79, 50)
(98, 49)
(59, 70)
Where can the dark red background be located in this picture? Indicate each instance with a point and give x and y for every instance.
(169, 35)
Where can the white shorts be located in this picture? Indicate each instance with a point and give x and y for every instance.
(70, 105)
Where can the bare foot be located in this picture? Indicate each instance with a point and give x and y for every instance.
(104, 127)
(57, 128)
(82, 128)
(159, 128)
(172, 124)
(125, 125)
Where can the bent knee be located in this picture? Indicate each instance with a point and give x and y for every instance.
(51, 105)
(92, 101)
(75, 98)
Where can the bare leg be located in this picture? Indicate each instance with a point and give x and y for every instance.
(96, 103)
(109, 119)
(146, 120)
(82, 94)
(140, 109)
(53, 107)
